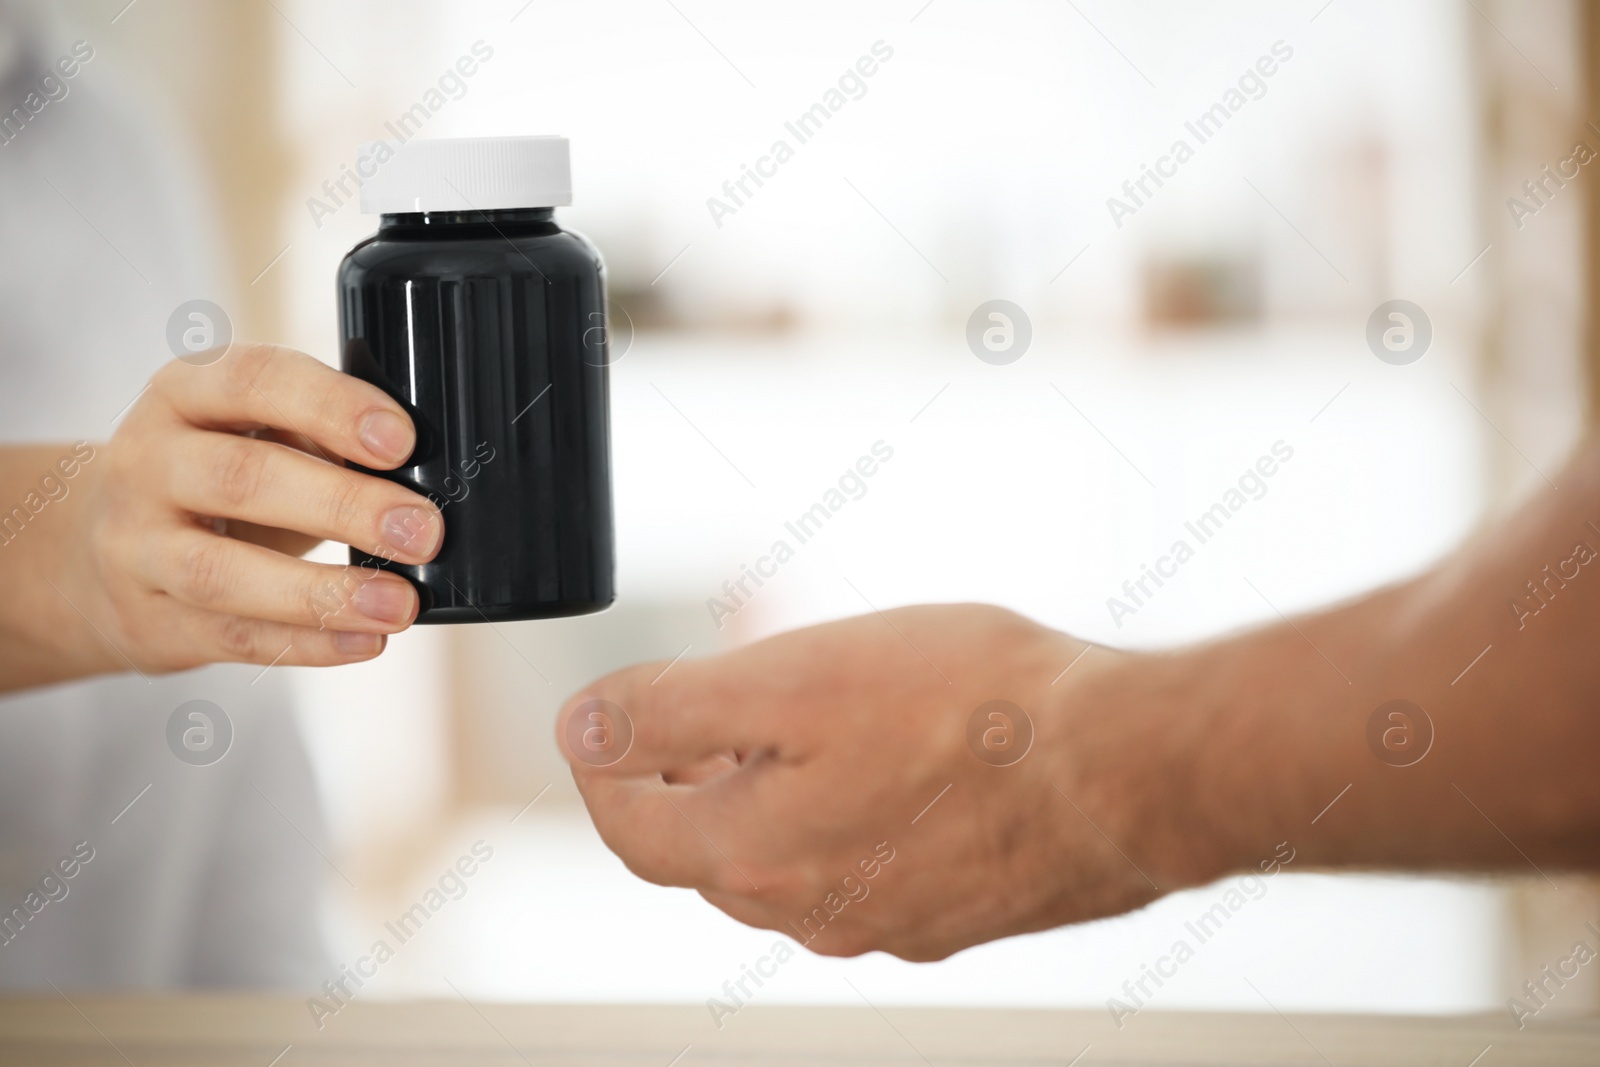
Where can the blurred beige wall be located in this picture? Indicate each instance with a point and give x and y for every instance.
(1589, 15)
(1530, 110)
(1537, 99)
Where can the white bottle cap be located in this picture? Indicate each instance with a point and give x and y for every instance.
(464, 174)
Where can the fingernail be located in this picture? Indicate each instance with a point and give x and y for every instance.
(387, 435)
(384, 600)
(412, 529)
(351, 644)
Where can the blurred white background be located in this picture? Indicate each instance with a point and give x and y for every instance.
(828, 313)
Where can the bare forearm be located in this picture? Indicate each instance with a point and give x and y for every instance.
(1497, 648)
(45, 639)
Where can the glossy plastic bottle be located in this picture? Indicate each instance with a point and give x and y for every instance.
(486, 320)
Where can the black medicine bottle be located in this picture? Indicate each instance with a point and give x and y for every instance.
(486, 321)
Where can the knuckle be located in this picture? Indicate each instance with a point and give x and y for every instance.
(127, 459)
(108, 544)
(724, 879)
(834, 941)
(328, 594)
(342, 508)
(648, 869)
(1005, 622)
(204, 577)
(243, 367)
(658, 720)
(161, 380)
(127, 607)
(239, 638)
(335, 406)
(773, 885)
(238, 472)
(919, 953)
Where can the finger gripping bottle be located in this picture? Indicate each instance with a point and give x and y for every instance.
(486, 321)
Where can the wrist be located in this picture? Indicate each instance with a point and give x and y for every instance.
(1261, 741)
(1203, 761)
(1266, 750)
(1130, 746)
(91, 640)
(56, 590)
